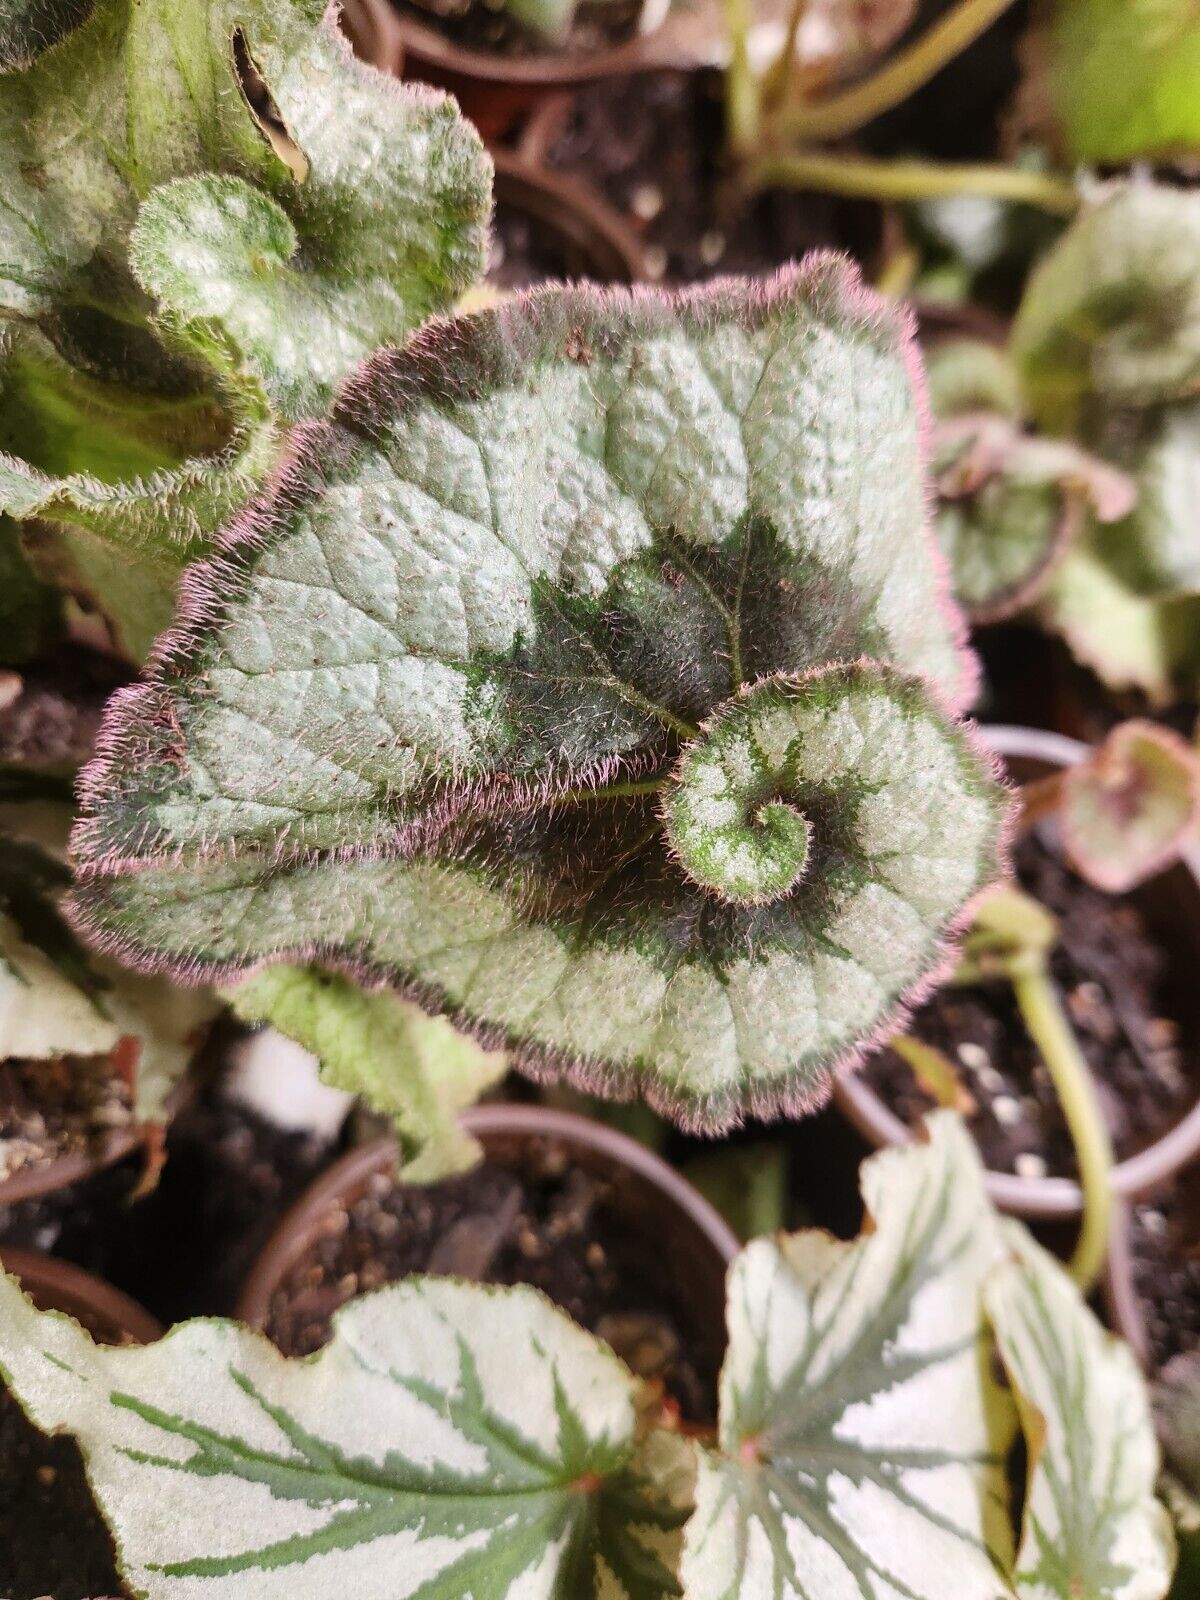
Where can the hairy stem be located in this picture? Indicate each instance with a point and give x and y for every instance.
(1052, 1033)
(898, 78)
(912, 180)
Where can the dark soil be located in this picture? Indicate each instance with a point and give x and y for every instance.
(1115, 979)
(52, 1109)
(1165, 1246)
(486, 25)
(54, 720)
(53, 1542)
(523, 255)
(546, 1223)
(230, 1175)
(652, 145)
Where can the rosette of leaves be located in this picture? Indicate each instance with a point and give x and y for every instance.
(588, 677)
(208, 215)
(456, 1440)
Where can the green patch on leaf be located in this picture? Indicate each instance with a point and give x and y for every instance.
(1093, 1528)
(424, 714)
(412, 1067)
(450, 1441)
(1122, 75)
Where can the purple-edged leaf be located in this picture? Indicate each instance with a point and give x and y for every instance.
(1011, 504)
(1129, 807)
(526, 666)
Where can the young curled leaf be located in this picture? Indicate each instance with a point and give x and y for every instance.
(1127, 810)
(863, 1436)
(451, 1440)
(1093, 1529)
(1011, 504)
(1110, 317)
(562, 622)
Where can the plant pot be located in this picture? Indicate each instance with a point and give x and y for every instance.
(692, 1241)
(1171, 905)
(1152, 1287)
(35, 1182)
(592, 238)
(496, 90)
(53, 1285)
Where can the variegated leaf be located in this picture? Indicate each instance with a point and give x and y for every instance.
(531, 653)
(1156, 549)
(1127, 810)
(1011, 505)
(414, 1068)
(1110, 317)
(1093, 1528)
(451, 1441)
(863, 1436)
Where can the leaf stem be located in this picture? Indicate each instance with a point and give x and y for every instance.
(1050, 1030)
(743, 98)
(611, 791)
(898, 78)
(912, 180)
(778, 76)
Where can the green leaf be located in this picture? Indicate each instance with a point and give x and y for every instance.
(451, 1440)
(550, 18)
(1127, 810)
(1128, 640)
(1122, 76)
(1093, 1528)
(1011, 505)
(27, 27)
(1111, 315)
(1156, 549)
(863, 1437)
(969, 375)
(30, 611)
(135, 430)
(415, 1068)
(747, 1183)
(422, 713)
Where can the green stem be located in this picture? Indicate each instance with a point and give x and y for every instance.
(912, 180)
(898, 78)
(743, 105)
(603, 792)
(1052, 1033)
(777, 79)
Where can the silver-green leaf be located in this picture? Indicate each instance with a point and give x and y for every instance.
(451, 707)
(863, 1436)
(1093, 1527)
(451, 1440)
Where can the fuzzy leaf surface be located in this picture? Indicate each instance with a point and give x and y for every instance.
(137, 431)
(1093, 1527)
(1123, 76)
(430, 698)
(1156, 549)
(1128, 809)
(863, 1436)
(416, 1068)
(1110, 317)
(451, 1440)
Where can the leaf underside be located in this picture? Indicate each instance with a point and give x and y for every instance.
(863, 1436)
(417, 715)
(450, 1441)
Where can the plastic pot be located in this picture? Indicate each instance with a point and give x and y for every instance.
(496, 90)
(1171, 905)
(54, 1285)
(32, 1183)
(592, 237)
(693, 1242)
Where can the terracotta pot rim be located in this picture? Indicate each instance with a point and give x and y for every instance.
(33, 1183)
(1049, 1197)
(294, 1233)
(548, 69)
(518, 177)
(65, 1286)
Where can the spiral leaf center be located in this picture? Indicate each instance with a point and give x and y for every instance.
(729, 812)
